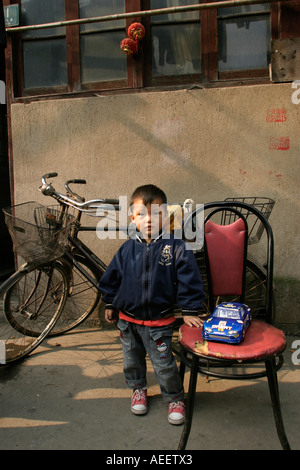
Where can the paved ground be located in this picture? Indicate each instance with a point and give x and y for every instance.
(69, 394)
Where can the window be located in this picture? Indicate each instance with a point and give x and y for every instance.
(68, 58)
(206, 45)
(175, 40)
(44, 50)
(244, 37)
(101, 58)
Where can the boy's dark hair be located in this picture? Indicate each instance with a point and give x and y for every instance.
(148, 193)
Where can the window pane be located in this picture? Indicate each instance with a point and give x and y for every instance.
(94, 8)
(244, 9)
(176, 49)
(244, 43)
(40, 12)
(184, 16)
(102, 58)
(45, 63)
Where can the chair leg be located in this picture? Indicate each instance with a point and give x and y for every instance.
(182, 365)
(190, 404)
(274, 392)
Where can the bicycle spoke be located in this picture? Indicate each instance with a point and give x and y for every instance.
(83, 297)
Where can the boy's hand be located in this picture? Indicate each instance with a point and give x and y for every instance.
(192, 321)
(111, 315)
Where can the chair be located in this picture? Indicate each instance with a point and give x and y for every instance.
(225, 252)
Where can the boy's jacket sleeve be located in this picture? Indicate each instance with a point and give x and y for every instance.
(190, 291)
(110, 282)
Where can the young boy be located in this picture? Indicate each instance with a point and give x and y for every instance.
(150, 274)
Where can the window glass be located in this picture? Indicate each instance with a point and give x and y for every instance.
(40, 12)
(44, 63)
(244, 9)
(176, 40)
(243, 37)
(44, 50)
(182, 16)
(94, 8)
(101, 56)
(176, 49)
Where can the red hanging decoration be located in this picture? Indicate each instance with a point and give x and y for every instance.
(136, 32)
(129, 46)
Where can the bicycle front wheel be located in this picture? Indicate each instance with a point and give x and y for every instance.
(82, 296)
(31, 306)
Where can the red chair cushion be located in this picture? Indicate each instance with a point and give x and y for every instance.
(261, 341)
(226, 249)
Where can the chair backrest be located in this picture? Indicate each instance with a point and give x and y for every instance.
(226, 254)
(226, 251)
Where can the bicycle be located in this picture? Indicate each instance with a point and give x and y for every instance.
(41, 293)
(69, 282)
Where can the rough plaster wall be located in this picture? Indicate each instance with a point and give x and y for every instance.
(207, 144)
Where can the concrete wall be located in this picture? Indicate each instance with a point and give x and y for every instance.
(207, 144)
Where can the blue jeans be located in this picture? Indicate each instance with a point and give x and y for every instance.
(139, 340)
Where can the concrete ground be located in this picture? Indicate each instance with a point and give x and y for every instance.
(69, 395)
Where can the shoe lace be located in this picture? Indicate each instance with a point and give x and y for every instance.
(139, 394)
(176, 404)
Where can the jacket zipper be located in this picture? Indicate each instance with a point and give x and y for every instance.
(147, 282)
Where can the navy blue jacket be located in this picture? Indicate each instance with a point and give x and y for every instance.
(146, 281)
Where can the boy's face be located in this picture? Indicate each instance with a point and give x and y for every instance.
(149, 218)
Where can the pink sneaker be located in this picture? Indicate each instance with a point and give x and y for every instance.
(176, 412)
(139, 404)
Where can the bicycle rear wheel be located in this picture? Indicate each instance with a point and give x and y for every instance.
(82, 296)
(32, 303)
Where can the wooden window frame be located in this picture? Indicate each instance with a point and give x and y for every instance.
(138, 66)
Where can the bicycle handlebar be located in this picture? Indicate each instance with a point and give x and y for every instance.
(88, 207)
(69, 191)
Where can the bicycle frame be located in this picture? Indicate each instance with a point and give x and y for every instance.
(88, 207)
(88, 254)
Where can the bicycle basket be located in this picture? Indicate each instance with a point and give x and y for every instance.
(255, 226)
(38, 233)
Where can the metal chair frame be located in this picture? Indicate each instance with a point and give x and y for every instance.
(209, 366)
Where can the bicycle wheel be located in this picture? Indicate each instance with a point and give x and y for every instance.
(255, 288)
(82, 296)
(31, 305)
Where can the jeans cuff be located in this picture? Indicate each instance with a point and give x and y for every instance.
(133, 384)
(173, 397)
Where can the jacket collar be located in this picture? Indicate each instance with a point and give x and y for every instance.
(140, 238)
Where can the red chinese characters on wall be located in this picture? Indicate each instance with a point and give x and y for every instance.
(279, 143)
(276, 115)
